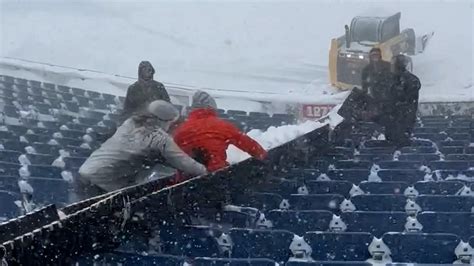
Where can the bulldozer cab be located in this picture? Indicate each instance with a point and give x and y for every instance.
(374, 29)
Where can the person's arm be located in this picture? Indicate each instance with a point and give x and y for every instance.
(160, 141)
(180, 160)
(246, 143)
(161, 92)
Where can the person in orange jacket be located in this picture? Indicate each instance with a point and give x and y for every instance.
(206, 137)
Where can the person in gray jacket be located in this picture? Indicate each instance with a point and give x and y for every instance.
(141, 138)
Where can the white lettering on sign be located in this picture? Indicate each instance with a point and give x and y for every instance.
(316, 110)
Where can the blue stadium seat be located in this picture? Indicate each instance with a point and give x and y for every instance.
(17, 129)
(88, 121)
(460, 136)
(422, 248)
(83, 101)
(69, 142)
(452, 143)
(374, 157)
(9, 169)
(458, 223)
(377, 144)
(423, 143)
(99, 104)
(354, 176)
(454, 173)
(8, 209)
(192, 241)
(78, 92)
(443, 203)
(400, 165)
(72, 134)
(72, 106)
(383, 187)
(14, 145)
(42, 159)
(66, 96)
(449, 165)
(49, 190)
(32, 138)
(261, 201)
(235, 219)
(109, 98)
(329, 187)
(7, 135)
(93, 94)
(377, 150)
(63, 89)
(282, 187)
(320, 165)
(78, 151)
(42, 148)
(300, 222)
(327, 263)
(316, 202)
(394, 203)
(408, 176)
(352, 164)
(329, 246)
(45, 171)
(426, 130)
(270, 244)
(421, 157)
(9, 156)
(376, 223)
(438, 188)
(232, 262)
(460, 157)
(421, 149)
(9, 183)
(74, 163)
(236, 113)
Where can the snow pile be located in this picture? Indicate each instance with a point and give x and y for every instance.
(276, 136)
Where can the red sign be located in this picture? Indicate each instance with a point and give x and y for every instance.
(316, 110)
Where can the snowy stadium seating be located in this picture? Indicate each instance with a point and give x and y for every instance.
(336, 204)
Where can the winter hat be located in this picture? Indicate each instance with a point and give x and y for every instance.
(202, 99)
(165, 111)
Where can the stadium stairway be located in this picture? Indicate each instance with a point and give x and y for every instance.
(315, 202)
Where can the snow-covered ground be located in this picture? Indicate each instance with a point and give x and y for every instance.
(270, 46)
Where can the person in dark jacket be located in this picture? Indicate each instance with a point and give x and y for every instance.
(405, 92)
(143, 91)
(206, 137)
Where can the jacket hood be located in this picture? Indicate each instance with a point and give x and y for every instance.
(202, 99)
(142, 76)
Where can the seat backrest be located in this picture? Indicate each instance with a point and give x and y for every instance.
(441, 203)
(387, 202)
(458, 223)
(438, 188)
(232, 262)
(328, 263)
(398, 175)
(353, 164)
(74, 163)
(422, 248)
(328, 202)
(9, 156)
(383, 187)
(8, 208)
(449, 165)
(354, 176)
(261, 201)
(271, 244)
(375, 223)
(329, 187)
(330, 246)
(9, 169)
(300, 222)
(45, 171)
(410, 165)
